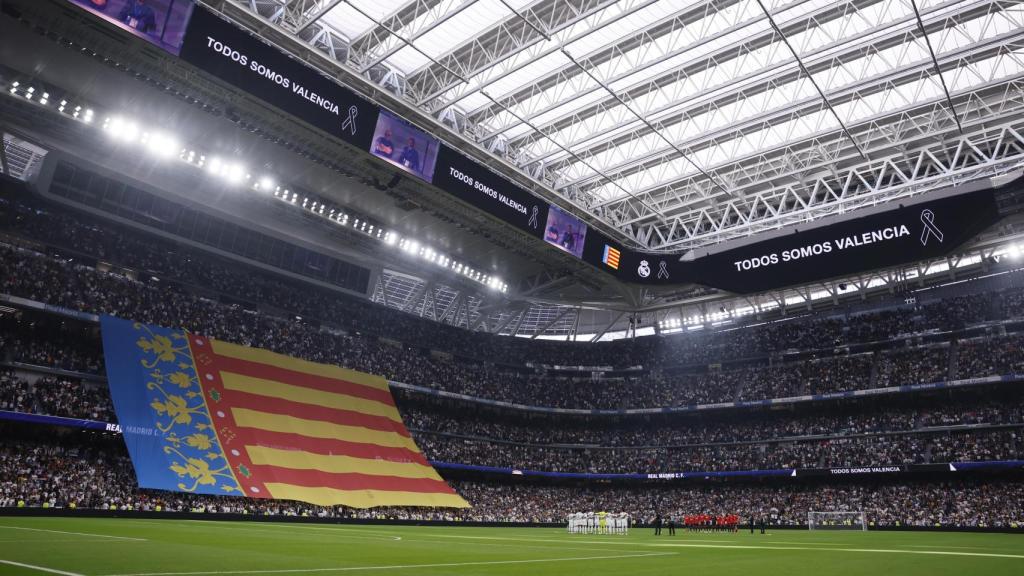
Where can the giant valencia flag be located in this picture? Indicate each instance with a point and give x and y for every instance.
(209, 417)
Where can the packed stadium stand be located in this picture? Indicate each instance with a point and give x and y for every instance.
(563, 327)
(55, 368)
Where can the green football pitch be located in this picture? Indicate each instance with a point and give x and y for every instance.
(105, 547)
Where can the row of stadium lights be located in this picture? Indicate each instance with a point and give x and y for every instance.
(77, 112)
(406, 245)
(163, 145)
(698, 321)
(235, 174)
(1013, 251)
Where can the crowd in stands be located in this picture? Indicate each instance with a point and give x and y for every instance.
(913, 366)
(51, 351)
(745, 442)
(824, 453)
(453, 419)
(76, 286)
(161, 282)
(55, 396)
(97, 474)
(177, 286)
(990, 356)
(79, 235)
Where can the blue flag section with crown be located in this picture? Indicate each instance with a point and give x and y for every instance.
(161, 408)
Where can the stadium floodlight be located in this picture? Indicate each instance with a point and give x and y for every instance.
(122, 130)
(234, 173)
(412, 246)
(160, 144)
(44, 98)
(215, 165)
(391, 238)
(266, 183)
(14, 87)
(30, 92)
(88, 116)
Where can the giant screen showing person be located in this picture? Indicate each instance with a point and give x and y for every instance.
(565, 231)
(405, 146)
(159, 22)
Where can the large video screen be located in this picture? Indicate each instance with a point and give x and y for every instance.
(405, 146)
(159, 22)
(565, 231)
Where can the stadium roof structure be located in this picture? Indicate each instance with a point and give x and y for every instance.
(670, 125)
(680, 124)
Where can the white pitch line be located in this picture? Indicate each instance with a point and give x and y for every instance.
(39, 568)
(399, 567)
(62, 540)
(868, 550)
(74, 533)
(270, 529)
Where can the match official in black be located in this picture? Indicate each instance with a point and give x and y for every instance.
(657, 524)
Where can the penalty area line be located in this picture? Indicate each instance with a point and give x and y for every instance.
(399, 567)
(39, 568)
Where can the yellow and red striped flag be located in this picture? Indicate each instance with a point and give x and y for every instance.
(240, 420)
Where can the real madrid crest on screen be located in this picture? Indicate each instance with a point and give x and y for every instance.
(644, 270)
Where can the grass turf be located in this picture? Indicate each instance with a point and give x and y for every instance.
(101, 547)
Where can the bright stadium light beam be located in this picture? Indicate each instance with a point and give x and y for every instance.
(215, 165)
(122, 130)
(234, 173)
(161, 144)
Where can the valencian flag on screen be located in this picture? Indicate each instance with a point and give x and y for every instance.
(204, 416)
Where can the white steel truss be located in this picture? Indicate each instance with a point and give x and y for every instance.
(682, 124)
